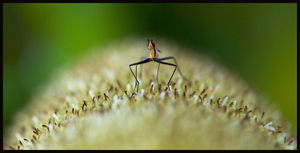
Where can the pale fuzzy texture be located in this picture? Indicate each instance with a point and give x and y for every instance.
(150, 119)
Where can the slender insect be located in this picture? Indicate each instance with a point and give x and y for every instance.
(153, 56)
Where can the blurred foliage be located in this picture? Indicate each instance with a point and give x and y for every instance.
(257, 41)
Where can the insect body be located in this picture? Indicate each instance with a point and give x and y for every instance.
(153, 56)
(152, 50)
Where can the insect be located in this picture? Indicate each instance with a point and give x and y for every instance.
(153, 56)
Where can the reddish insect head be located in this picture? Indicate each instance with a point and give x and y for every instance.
(153, 44)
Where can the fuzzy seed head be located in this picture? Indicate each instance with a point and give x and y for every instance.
(91, 105)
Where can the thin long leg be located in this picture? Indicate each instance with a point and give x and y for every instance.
(142, 62)
(157, 76)
(142, 58)
(136, 74)
(159, 61)
(171, 57)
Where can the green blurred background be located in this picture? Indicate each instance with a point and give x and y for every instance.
(257, 41)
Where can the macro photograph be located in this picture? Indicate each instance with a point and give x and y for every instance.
(149, 76)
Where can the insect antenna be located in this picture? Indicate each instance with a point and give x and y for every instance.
(154, 38)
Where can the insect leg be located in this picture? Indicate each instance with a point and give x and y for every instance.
(138, 63)
(171, 57)
(160, 62)
(157, 76)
